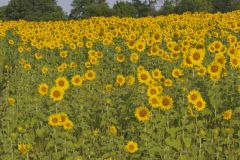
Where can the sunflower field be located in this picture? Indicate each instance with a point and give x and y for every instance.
(153, 88)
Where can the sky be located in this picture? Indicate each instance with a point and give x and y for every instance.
(65, 4)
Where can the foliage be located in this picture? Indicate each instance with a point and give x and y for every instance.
(194, 6)
(124, 9)
(33, 10)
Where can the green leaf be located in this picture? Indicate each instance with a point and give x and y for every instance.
(187, 141)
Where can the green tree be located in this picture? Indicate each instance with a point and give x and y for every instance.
(168, 7)
(143, 8)
(193, 6)
(124, 9)
(34, 10)
(89, 8)
(2, 12)
(225, 5)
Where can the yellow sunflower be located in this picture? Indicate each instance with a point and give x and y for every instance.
(143, 76)
(90, 75)
(199, 104)
(77, 80)
(193, 95)
(54, 120)
(142, 114)
(166, 102)
(62, 82)
(56, 93)
(154, 101)
(120, 80)
(227, 114)
(67, 125)
(43, 89)
(131, 147)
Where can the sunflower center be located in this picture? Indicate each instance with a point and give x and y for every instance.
(131, 147)
(143, 113)
(214, 68)
(234, 61)
(44, 89)
(55, 120)
(153, 91)
(196, 56)
(56, 94)
(199, 104)
(144, 77)
(76, 80)
(165, 102)
(154, 101)
(61, 83)
(193, 97)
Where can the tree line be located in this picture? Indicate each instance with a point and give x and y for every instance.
(40, 10)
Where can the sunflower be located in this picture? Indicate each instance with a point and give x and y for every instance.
(227, 115)
(77, 80)
(199, 104)
(62, 82)
(54, 120)
(154, 101)
(11, 101)
(56, 93)
(140, 46)
(214, 69)
(130, 80)
(120, 58)
(193, 95)
(177, 73)
(156, 74)
(143, 76)
(131, 147)
(152, 90)
(27, 67)
(109, 87)
(196, 56)
(134, 57)
(90, 75)
(63, 54)
(63, 117)
(168, 82)
(166, 102)
(38, 56)
(120, 80)
(44, 70)
(43, 89)
(142, 114)
(235, 62)
(67, 125)
(112, 129)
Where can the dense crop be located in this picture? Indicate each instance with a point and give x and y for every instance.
(109, 88)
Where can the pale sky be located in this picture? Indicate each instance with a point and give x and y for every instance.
(65, 4)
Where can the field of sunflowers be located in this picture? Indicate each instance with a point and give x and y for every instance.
(154, 88)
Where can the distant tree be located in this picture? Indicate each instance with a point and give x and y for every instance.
(96, 10)
(88, 8)
(124, 9)
(168, 7)
(193, 6)
(225, 5)
(34, 10)
(2, 12)
(143, 8)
